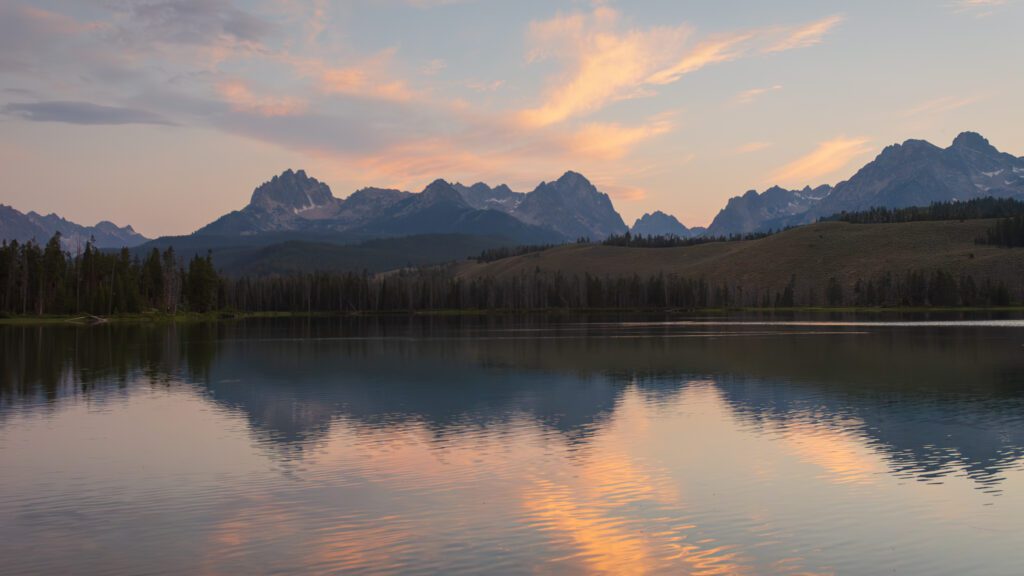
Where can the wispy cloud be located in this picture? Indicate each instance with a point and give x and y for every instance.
(804, 36)
(606, 64)
(979, 8)
(190, 22)
(748, 96)
(827, 159)
(611, 141)
(940, 105)
(84, 113)
(238, 94)
(433, 67)
(603, 64)
(368, 78)
(714, 51)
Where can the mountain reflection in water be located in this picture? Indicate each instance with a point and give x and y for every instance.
(515, 444)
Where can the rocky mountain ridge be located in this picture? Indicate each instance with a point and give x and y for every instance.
(566, 209)
(914, 173)
(34, 227)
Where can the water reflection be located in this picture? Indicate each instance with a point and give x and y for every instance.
(447, 445)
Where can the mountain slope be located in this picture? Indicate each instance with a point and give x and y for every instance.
(15, 225)
(372, 256)
(813, 253)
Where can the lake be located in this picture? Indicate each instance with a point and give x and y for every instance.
(515, 445)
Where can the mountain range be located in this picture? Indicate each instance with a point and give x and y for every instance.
(915, 173)
(558, 211)
(294, 207)
(16, 225)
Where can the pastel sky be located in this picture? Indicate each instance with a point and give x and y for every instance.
(164, 114)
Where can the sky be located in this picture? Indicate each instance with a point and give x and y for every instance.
(165, 114)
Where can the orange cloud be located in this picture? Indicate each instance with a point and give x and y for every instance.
(241, 98)
(804, 36)
(366, 79)
(611, 141)
(748, 96)
(606, 65)
(829, 157)
(709, 52)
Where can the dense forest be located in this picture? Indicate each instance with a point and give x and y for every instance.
(1006, 232)
(47, 280)
(37, 280)
(976, 209)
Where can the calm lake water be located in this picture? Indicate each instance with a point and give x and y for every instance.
(514, 445)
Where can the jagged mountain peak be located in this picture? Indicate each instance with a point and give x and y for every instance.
(770, 209)
(574, 182)
(973, 141)
(572, 206)
(569, 207)
(912, 147)
(912, 173)
(442, 190)
(291, 191)
(918, 173)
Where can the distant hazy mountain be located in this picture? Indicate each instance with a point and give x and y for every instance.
(294, 202)
(658, 223)
(771, 209)
(15, 225)
(915, 173)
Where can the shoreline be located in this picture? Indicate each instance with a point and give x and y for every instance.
(224, 316)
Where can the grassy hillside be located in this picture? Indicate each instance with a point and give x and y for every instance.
(373, 256)
(813, 253)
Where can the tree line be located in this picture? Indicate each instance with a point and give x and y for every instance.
(1006, 232)
(437, 289)
(974, 209)
(40, 280)
(673, 241)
